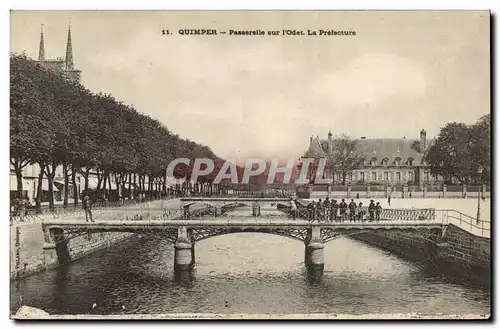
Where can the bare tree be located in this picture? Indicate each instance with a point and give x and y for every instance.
(345, 156)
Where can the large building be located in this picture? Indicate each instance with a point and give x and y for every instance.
(65, 66)
(388, 161)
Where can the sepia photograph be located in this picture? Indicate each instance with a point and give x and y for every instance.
(250, 164)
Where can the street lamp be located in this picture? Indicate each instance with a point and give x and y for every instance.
(479, 172)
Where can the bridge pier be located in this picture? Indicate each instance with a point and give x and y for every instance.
(314, 254)
(184, 258)
(55, 253)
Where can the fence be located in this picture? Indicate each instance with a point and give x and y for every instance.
(465, 222)
(402, 191)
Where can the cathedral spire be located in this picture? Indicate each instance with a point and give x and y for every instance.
(69, 52)
(41, 50)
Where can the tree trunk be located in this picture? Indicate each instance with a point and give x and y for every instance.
(75, 189)
(150, 187)
(130, 185)
(38, 201)
(109, 187)
(86, 176)
(19, 177)
(66, 183)
(135, 185)
(18, 168)
(51, 171)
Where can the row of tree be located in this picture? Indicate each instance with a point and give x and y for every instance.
(54, 122)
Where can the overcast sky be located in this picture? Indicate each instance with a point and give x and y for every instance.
(265, 95)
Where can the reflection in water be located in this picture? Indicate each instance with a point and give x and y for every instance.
(246, 273)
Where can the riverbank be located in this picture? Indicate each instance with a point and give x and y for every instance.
(27, 240)
(27, 247)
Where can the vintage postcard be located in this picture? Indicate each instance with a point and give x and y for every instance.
(250, 165)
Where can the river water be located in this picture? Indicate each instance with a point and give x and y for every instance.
(246, 273)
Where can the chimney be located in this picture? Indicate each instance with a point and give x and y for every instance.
(423, 141)
(310, 140)
(330, 135)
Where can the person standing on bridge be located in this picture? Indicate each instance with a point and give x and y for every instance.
(361, 212)
(342, 210)
(371, 210)
(333, 210)
(326, 209)
(87, 206)
(378, 210)
(293, 209)
(319, 210)
(310, 211)
(352, 210)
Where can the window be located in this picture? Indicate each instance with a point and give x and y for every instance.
(410, 176)
(397, 161)
(398, 176)
(350, 176)
(385, 161)
(427, 176)
(386, 176)
(410, 162)
(374, 175)
(362, 176)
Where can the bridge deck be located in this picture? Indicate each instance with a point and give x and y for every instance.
(237, 199)
(236, 222)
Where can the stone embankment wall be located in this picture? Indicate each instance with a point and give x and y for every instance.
(456, 247)
(26, 241)
(88, 243)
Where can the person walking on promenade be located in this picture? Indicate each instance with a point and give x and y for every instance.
(342, 210)
(389, 199)
(352, 210)
(371, 210)
(378, 210)
(87, 206)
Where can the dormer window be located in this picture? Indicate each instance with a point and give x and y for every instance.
(397, 161)
(410, 161)
(373, 161)
(385, 161)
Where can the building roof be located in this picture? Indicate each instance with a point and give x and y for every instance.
(379, 149)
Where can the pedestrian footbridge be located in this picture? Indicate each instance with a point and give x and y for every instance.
(196, 219)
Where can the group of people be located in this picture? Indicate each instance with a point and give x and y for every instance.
(331, 211)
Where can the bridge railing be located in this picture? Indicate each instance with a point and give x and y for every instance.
(468, 223)
(361, 214)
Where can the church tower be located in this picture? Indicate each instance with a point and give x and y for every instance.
(65, 66)
(69, 66)
(69, 52)
(41, 49)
